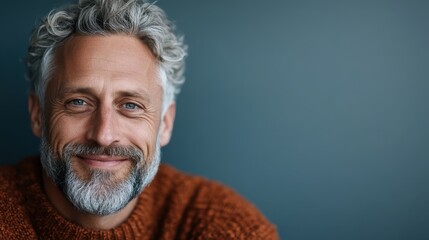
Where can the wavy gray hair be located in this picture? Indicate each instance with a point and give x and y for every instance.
(136, 18)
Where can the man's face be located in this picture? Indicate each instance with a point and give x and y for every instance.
(105, 94)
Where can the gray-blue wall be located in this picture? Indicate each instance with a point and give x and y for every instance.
(316, 111)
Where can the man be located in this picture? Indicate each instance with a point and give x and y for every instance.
(104, 77)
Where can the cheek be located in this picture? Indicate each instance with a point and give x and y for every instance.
(64, 129)
(142, 134)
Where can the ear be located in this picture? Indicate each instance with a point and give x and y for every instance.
(35, 112)
(167, 123)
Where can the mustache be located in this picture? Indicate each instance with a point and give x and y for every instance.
(79, 149)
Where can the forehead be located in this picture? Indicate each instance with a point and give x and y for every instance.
(113, 60)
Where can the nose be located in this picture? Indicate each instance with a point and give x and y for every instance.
(104, 127)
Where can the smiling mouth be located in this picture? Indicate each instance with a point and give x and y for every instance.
(102, 161)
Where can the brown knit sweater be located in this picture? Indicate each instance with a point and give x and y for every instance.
(174, 206)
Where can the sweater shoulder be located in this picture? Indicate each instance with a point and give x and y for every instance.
(8, 181)
(14, 177)
(14, 219)
(215, 211)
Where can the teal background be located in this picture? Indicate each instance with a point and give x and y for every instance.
(316, 111)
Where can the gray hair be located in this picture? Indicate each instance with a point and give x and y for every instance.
(136, 18)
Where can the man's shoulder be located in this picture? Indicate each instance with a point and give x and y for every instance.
(214, 210)
(196, 189)
(10, 195)
(14, 221)
(14, 178)
(8, 179)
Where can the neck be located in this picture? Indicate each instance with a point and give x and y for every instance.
(71, 213)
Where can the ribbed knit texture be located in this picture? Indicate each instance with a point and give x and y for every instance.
(173, 206)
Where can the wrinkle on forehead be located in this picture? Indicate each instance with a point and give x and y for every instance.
(118, 54)
(100, 61)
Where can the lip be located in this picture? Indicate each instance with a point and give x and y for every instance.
(102, 161)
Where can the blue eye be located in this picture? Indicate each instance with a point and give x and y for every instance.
(130, 106)
(77, 102)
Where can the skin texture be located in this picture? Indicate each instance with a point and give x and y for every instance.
(104, 90)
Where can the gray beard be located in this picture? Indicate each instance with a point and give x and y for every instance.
(102, 194)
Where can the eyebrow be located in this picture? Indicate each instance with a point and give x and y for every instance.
(85, 90)
(134, 94)
(123, 93)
